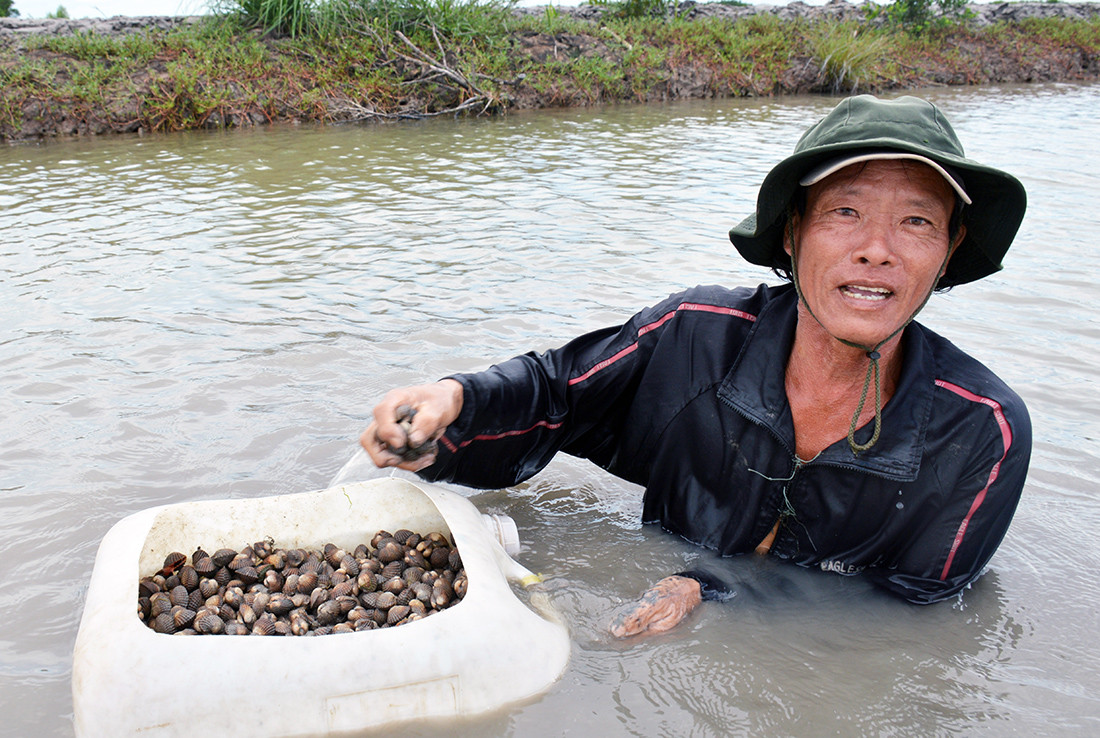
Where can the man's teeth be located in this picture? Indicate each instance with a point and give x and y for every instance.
(867, 293)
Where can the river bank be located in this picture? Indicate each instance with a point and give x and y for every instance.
(118, 75)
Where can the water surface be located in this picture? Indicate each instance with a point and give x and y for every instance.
(212, 315)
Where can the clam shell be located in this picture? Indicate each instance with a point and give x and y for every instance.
(222, 576)
(174, 561)
(147, 587)
(182, 617)
(347, 604)
(415, 558)
(393, 569)
(440, 557)
(334, 554)
(295, 557)
(248, 574)
(259, 603)
(307, 582)
(209, 623)
(159, 603)
(246, 614)
(329, 612)
(394, 585)
(234, 597)
(276, 559)
(263, 549)
(317, 598)
(206, 567)
(389, 550)
(366, 582)
(264, 625)
(279, 604)
(188, 577)
(164, 623)
(239, 561)
(179, 595)
(442, 594)
(208, 588)
(349, 565)
(274, 581)
(397, 613)
(223, 556)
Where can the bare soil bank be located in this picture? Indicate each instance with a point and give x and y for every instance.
(963, 56)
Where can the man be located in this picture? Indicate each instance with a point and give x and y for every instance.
(812, 421)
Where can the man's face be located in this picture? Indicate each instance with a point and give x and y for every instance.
(871, 244)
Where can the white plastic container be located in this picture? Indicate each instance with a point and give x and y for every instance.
(480, 654)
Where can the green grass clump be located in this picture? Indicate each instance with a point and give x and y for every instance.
(89, 46)
(847, 54)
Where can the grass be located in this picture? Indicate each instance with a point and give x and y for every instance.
(848, 54)
(355, 59)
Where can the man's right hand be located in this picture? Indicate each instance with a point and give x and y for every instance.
(426, 410)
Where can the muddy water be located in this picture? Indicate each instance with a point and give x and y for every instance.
(206, 316)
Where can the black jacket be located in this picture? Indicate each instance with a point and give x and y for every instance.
(688, 400)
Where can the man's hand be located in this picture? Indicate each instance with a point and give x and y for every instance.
(407, 422)
(662, 606)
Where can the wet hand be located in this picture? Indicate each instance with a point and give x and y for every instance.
(662, 606)
(407, 423)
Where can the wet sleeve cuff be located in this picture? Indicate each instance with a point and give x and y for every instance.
(710, 586)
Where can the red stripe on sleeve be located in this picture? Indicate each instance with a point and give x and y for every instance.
(692, 306)
(1006, 439)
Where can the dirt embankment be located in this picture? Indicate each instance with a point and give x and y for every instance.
(965, 56)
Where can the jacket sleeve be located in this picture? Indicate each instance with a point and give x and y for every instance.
(518, 414)
(951, 551)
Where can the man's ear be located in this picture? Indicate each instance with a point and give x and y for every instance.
(789, 229)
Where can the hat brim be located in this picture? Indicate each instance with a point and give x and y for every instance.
(992, 220)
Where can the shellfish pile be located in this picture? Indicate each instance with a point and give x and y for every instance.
(264, 590)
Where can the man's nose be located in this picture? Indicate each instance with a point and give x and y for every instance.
(876, 241)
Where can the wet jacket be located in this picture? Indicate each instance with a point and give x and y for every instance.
(688, 400)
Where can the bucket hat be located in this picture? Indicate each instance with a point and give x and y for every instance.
(907, 127)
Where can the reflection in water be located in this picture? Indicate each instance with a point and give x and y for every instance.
(212, 315)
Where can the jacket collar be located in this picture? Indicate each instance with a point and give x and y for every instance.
(755, 387)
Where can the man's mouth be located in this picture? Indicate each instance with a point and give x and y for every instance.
(862, 292)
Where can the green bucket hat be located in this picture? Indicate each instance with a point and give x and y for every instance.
(912, 128)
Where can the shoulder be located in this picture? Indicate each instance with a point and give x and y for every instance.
(964, 382)
(741, 303)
